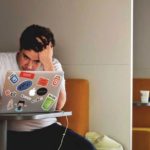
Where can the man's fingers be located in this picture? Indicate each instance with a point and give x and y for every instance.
(43, 41)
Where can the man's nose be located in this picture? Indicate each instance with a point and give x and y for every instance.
(30, 64)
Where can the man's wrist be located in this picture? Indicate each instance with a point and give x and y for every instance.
(48, 67)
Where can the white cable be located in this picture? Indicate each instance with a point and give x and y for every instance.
(63, 135)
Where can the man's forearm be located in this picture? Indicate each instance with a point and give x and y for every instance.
(61, 99)
(48, 67)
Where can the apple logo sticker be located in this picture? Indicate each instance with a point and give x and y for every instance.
(32, 92)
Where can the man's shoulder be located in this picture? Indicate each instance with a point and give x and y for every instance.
(57, 64)
(8, 58)
(4, 55)
(55, 60)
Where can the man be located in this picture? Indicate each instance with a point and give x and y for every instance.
(36, 53)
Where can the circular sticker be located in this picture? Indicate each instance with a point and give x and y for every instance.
(7, 92)
(41, 91)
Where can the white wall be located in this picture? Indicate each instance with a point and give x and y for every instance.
(93, 42)
(141, 50)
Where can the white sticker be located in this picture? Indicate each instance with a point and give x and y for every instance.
(32, 92)
(10, 104)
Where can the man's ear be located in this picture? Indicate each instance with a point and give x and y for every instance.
(18, 54)
(51, 45)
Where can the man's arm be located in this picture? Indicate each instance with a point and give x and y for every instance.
(61, 99)
(46, 56)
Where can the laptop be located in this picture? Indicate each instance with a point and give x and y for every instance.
(31, 91)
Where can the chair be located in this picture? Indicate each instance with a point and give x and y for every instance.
(77, 102)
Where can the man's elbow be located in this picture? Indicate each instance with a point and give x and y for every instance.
(61, 100)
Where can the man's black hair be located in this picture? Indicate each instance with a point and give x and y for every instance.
(36, 37)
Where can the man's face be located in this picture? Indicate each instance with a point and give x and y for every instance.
(28, 60)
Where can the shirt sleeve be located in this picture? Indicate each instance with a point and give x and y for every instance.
(58, 67)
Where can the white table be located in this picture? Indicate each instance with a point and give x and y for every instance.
(28, 116)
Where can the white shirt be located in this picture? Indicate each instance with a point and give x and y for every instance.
(8, 62)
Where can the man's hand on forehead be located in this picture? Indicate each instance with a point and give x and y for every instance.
(45, 57)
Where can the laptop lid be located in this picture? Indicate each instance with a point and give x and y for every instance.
(31, 91)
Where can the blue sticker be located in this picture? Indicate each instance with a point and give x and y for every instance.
(14, 78)
(24, 85)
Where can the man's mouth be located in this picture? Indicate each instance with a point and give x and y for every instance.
(27, 69)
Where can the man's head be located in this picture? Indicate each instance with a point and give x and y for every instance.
(33, 40)
(36, 38)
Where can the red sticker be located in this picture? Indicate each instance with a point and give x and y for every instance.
(56, 80)
(27, 75)
(43, 82)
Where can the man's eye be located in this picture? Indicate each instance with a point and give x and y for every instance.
(25, 57)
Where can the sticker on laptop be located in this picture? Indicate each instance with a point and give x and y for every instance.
(13, 94)
(48, 102)
(43, 81)
(10, 104)
(7, 92)
(26, 97)
(41, 91)
(13, 78)
(24, 85)
(28, 75)
(32, 92)
(20, 105)
(38, 99)
(56, 80)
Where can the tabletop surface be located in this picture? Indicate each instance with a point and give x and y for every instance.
(139, 103)
(26, 116)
